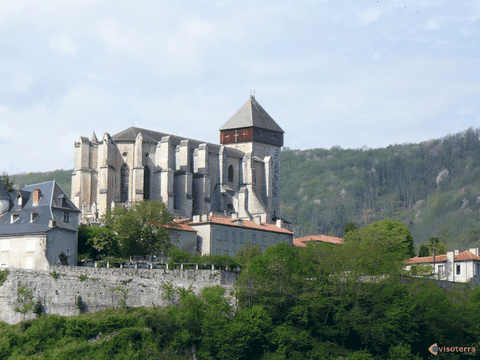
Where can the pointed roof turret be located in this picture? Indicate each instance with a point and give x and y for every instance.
(251, 114)
(93, 138)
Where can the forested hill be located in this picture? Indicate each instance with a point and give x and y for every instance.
(432, 187)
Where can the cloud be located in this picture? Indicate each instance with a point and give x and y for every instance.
(466, 111)
(370, 15)
(62, 44)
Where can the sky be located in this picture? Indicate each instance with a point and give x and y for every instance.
(348, 73)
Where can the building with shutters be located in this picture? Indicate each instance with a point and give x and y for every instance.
(38, 227)
(453, 266)
(239, 176)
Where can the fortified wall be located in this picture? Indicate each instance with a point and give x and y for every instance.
(95, 286)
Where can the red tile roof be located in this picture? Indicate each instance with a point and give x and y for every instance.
(245, 224)
(466, 255)
(426, 259)
(323, 238)
(182, 224)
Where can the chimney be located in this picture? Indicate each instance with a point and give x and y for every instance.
(474, 251)
(234, 215)
(258, 220)
(204, 217)
(196, 218)
(36, 197)
(280, 223)
(450, 265)
(52, 223)
(456, 252)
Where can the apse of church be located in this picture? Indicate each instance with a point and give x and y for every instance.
(239, 176)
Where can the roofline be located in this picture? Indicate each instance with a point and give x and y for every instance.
(243, 227)
(250, 127)
(61, 208)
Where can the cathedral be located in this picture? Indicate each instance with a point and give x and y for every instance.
(240, 177)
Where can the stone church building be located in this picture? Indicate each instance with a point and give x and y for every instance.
(241, 176)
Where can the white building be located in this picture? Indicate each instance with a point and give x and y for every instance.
(453, 266)
(227, 235)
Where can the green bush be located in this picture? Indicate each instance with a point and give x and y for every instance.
(3, 276)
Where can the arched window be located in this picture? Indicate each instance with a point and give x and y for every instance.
(146, 183)
(230, 173)
(124, 172)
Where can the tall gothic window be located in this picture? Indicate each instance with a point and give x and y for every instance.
(230, 173)
(124, 183)
(146, 183)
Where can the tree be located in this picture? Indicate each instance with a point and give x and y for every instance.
(423, 250)
(25, 299)
(142, 229)
(439, 246)
(38, 308)
(349, 226)
(106, 243)
(245, 255)
(7, 183)
(79, 304)
(388, 234)
(179, 256)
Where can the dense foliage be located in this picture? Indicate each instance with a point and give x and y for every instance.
(320, 302)
(7, 182)
(62, 177)
(432, 187)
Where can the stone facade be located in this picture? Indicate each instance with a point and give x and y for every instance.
(58, 296)
(241, 176)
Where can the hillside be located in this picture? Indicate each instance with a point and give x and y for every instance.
(62, 177)
(432, 187)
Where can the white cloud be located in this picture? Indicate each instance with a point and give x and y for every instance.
(63, 45)
(466, 111)
(370, 15)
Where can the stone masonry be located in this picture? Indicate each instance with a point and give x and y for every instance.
(58, 296)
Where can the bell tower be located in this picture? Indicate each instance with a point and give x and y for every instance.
(253, 131)
(251, 124)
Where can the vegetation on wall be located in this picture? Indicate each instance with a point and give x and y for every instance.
(323, 301)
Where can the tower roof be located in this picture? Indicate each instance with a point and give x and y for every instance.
(251, 114)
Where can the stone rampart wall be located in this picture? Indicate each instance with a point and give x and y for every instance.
(144, 286)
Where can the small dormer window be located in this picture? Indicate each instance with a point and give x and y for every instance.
(33, 216)
(66, 217)
(14, 217)
(19, 200)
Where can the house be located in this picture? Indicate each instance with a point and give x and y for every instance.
(453, 266)
(302, 242)
(183, 235)
(240, 175)
(38, 227)
(225, 235)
